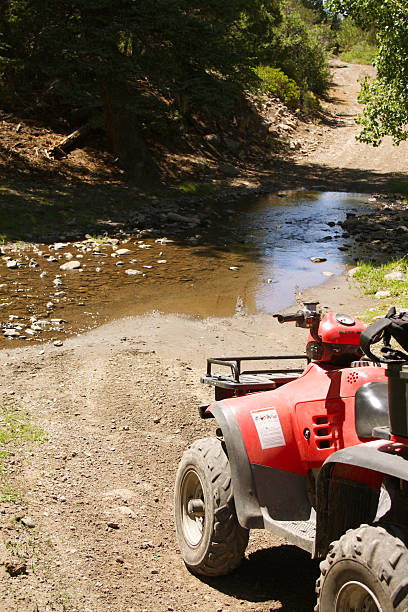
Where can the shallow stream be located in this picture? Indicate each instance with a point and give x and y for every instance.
(253, 256)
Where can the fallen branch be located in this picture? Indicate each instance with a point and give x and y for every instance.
(68, 143)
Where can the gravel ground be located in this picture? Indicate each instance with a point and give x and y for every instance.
(118, 407)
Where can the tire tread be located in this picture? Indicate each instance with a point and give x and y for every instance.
(228, 539)
(378, 550)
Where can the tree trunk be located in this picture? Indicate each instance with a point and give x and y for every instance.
(124, 134)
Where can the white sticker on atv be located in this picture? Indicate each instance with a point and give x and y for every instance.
(268, 427)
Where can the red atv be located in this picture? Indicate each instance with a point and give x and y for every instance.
(317, 455)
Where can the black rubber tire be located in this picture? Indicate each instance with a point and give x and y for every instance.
(216, 543)
(367, 559)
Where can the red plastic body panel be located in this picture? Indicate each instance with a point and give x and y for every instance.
(333, 332)
(297, 426)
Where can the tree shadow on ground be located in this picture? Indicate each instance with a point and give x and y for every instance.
(282, 573)
(42, 206)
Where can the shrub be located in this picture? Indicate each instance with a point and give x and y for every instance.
(275, 82)
(310, 103)
(300, 52)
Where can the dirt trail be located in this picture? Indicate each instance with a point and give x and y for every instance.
(338, 147)
(119, 407)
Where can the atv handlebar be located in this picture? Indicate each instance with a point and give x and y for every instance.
(307, 317)
(292, 316)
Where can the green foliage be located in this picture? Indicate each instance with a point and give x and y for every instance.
(193, 188)
(371, 278)
(385, 97)
(300, 52)
(350, 34)
(274, 82)
(82, 52)
(144, 68)
(354, 44)
(360, 53)
(15, 427)
(310, 103)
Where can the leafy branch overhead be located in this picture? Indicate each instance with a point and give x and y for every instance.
(385, 97)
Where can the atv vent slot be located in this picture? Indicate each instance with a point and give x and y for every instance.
(324, 444)
(322, 435)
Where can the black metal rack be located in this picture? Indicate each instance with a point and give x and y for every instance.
(248, 381)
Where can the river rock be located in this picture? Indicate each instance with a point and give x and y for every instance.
(231, 144)
(383, 294)
(353, 271)
(123, 251)
(131, 272)
(395, 275)
(71, 265)
(173, 216)
(318, 259)
(11, 333)
(295, 144)
(164, 240)
(12, 264)
(27, 521)
(229, 170)
(212, 138)
(60, 245)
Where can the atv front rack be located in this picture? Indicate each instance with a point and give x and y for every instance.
(249, 381)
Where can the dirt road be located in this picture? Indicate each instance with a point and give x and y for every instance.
(88, 523)
(339, 148)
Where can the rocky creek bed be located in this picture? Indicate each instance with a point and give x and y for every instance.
(161, 255)
(381, 234)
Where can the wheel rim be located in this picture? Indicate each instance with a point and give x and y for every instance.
(357, 597)
(192, 507)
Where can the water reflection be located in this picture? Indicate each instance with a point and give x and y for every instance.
(283, 233)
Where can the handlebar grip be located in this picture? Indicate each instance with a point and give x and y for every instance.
(292, 316)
